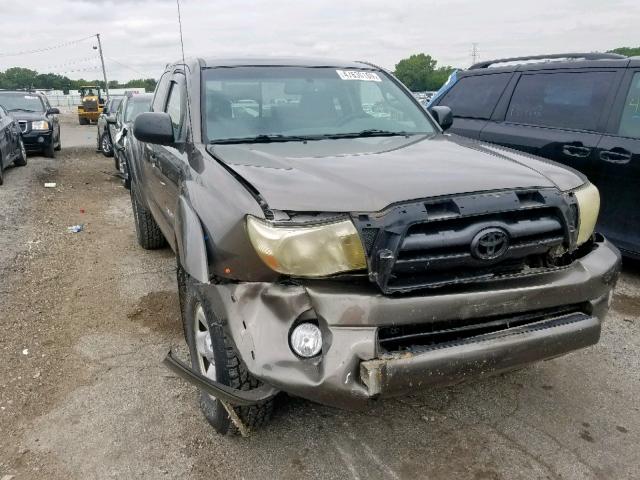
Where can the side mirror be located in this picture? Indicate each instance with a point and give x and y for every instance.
(443, 116)
(111, 119)
(53, 111)
(154, 127)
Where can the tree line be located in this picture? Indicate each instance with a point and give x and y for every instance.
(419, 72)
(23, 78)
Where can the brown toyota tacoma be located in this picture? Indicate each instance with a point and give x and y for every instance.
(333, 242)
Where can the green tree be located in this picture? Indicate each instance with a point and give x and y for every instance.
(421, 72)
(17, 77)
(627, 51)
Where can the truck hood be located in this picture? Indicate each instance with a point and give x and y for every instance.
(28, 116)
(369, 174)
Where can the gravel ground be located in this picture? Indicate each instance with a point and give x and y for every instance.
(86, 319)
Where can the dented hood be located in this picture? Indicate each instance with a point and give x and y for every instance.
(369, 174)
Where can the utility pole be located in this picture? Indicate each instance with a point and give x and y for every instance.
(104, 72)
(474, 53)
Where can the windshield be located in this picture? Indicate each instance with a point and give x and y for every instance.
(135, 108)
(21, 101)
(268, 102)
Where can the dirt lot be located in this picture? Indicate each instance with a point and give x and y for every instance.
(86, 318)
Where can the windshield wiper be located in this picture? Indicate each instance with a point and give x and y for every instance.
(262, 139)
(371, 132)
(21, 109)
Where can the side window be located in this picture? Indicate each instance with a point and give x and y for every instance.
(476, 96)
(175, 108)
(630, 120)
(161, 93)
(563, 100)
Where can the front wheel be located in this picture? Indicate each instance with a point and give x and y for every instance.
(105, 145)
(50, 150)
(21, 161)
(214, 356)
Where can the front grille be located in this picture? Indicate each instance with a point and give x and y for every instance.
(24, 125)
(430, 335)
(90, 105)
(441, 242)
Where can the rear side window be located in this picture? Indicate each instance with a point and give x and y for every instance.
(630, 121)
(563, 100)
(476, 96)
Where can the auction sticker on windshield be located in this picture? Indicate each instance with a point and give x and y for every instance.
(358, 75)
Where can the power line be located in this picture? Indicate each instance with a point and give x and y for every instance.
(126, 66)
(72, 62)
(46, 49)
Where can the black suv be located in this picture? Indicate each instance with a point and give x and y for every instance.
(579, 109)
(334, 244)
(38, 121)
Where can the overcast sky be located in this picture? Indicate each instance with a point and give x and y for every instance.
(139, 37)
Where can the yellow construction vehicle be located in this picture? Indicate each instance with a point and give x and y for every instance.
(91, 104)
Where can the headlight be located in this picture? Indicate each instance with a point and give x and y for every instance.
(588, 199)
(314, 251)
(40, 125)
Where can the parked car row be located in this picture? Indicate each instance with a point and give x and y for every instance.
(115, 138)
(582, 110)
(334, 243)
(28, 123)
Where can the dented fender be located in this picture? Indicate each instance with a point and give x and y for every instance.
(190, 240)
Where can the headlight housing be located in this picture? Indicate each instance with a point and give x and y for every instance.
(588, 198)
(40, 125)
(307, 251)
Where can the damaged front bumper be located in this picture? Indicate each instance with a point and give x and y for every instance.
(355, 367)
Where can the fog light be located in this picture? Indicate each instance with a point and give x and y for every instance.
(306, 340)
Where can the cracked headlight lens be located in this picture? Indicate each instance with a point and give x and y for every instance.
(588, 198)
(307, 251)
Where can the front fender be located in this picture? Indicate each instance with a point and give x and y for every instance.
(192, 251)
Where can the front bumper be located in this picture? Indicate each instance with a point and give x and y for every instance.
(353, 369)
(37, 140)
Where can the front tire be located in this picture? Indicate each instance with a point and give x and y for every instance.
(105, 145)
(148, 232)
(21, 161)
(213, 355)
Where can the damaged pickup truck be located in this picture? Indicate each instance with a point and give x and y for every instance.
(333, 243)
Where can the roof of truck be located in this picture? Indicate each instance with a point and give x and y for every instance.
(212, 62)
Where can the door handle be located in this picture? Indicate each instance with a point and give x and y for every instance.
(577, 151)
(616, 155)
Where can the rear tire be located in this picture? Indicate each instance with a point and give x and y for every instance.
(83, 121)
(198, 320)
(1, 171)
(59, 146)
(149, 235)
(21, 161)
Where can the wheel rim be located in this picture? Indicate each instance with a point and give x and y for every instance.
(106, 145)
(204, 347)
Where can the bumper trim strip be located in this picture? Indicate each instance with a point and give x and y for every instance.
(219, 390)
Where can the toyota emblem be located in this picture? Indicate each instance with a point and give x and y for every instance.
(490, 244)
